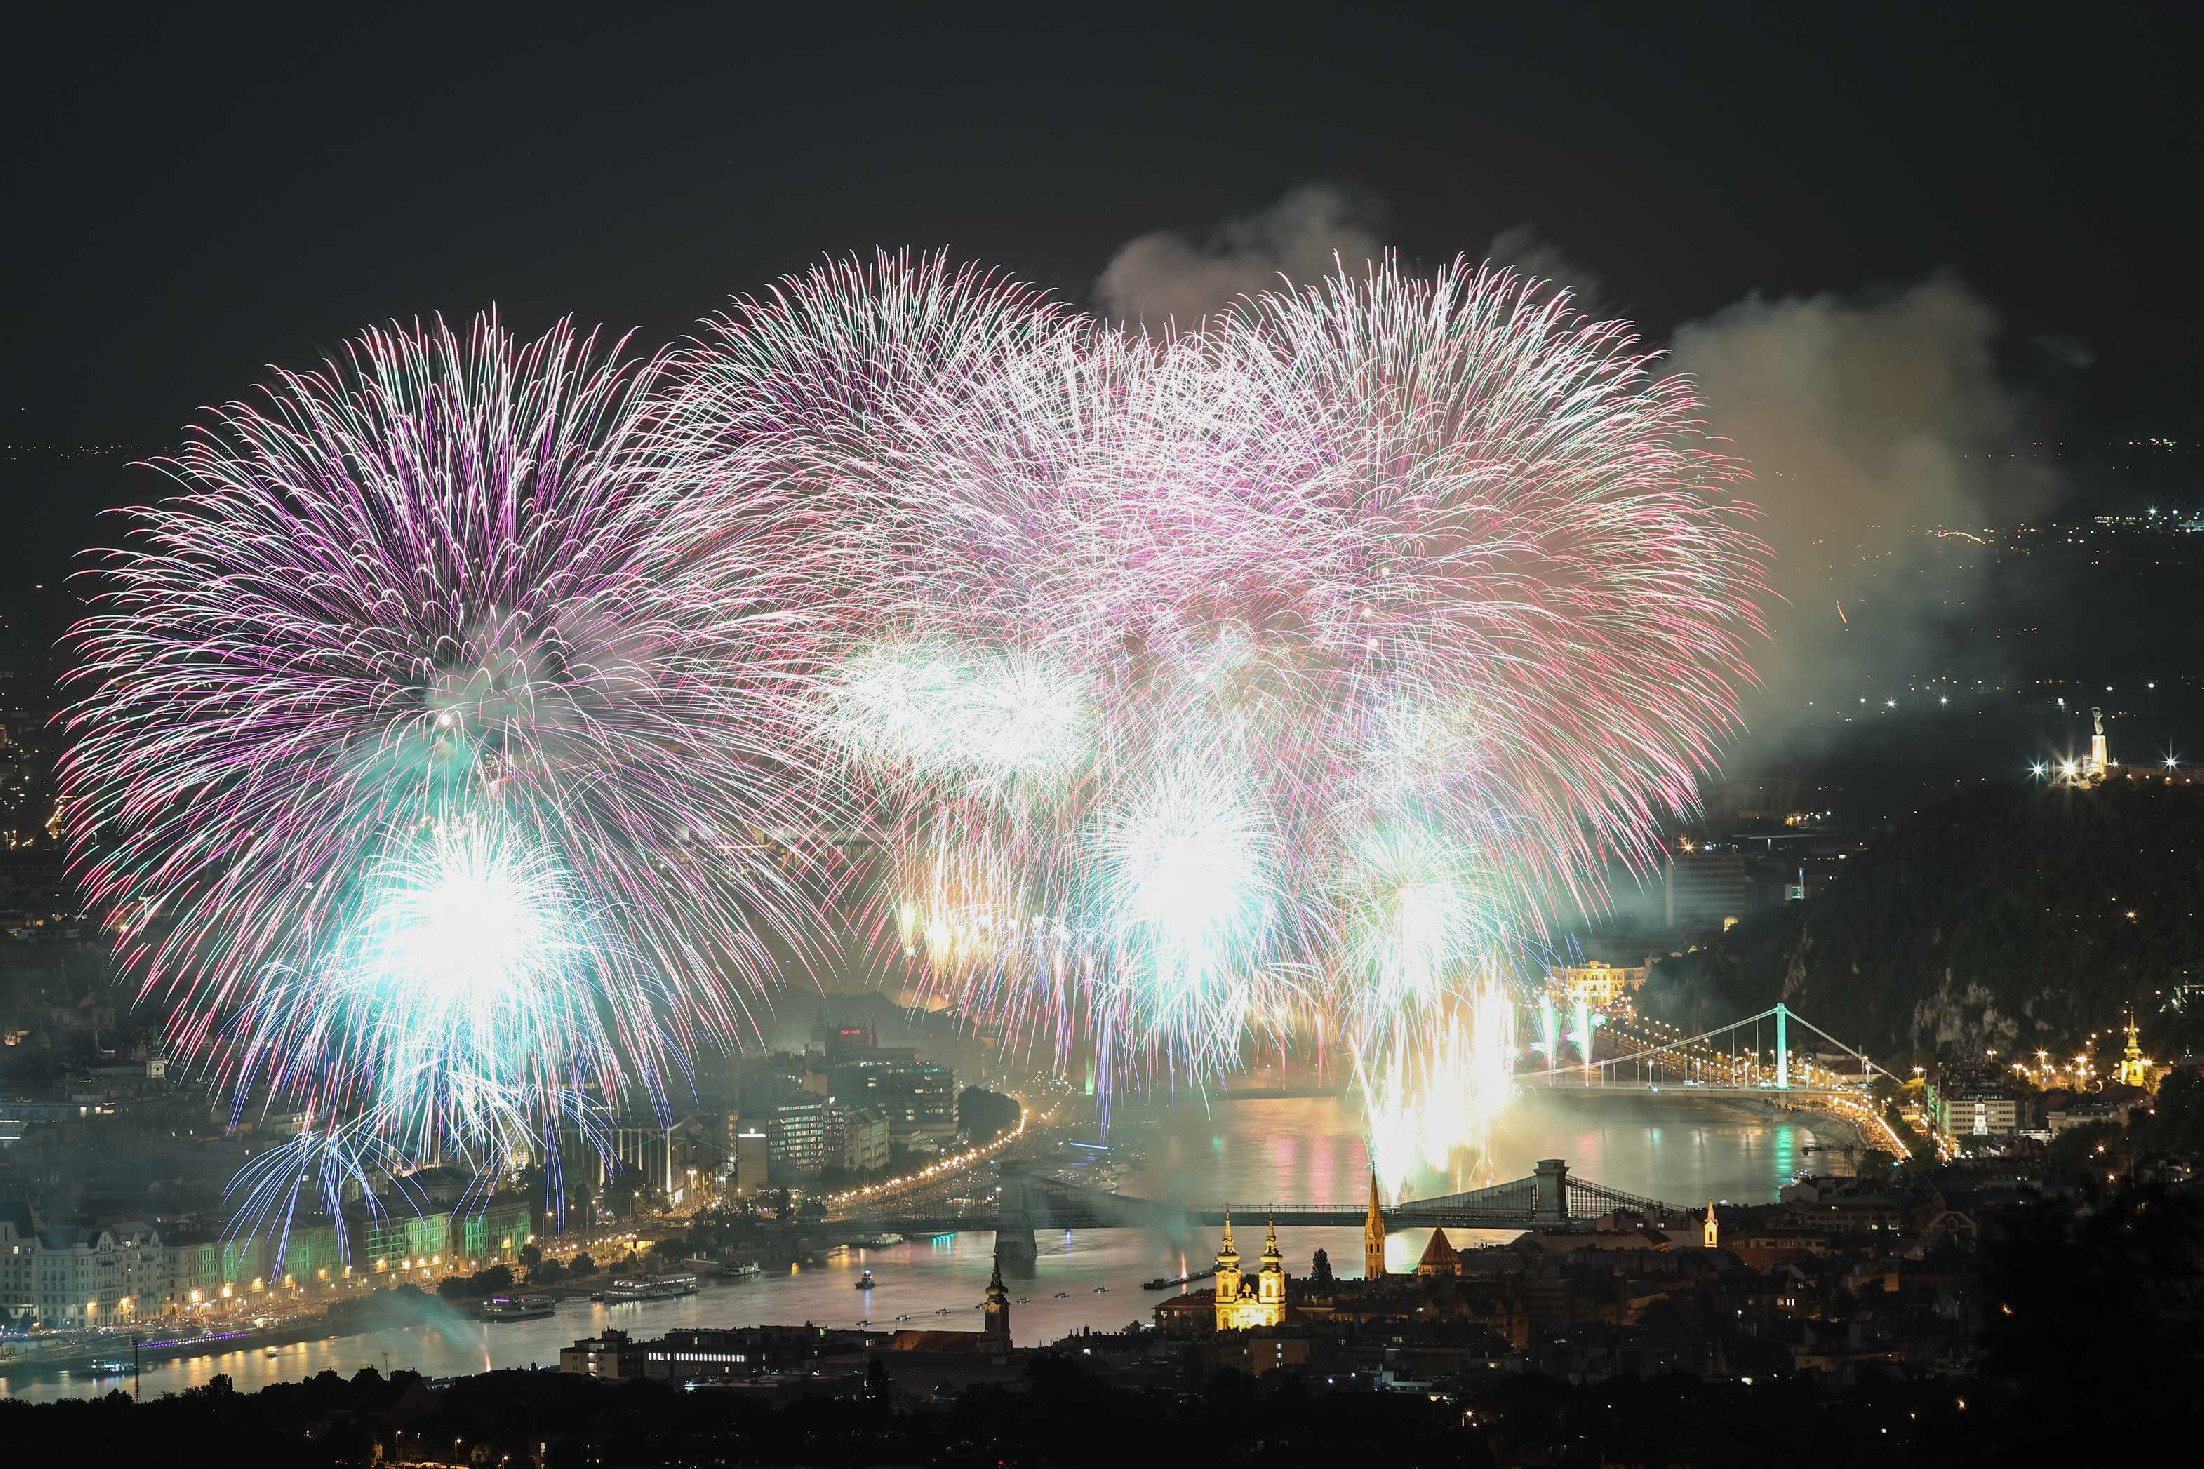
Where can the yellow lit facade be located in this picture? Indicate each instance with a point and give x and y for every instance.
(1597, 984)
(2135, 1067)
(1373, 1236)
(1243, 1303)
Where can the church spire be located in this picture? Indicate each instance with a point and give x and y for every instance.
(1373, 1235)
(1227, 1278)
(995, 1326)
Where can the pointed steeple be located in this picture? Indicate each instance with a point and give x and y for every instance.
(995, 1325)
(1373, 1235)
(1714, 1228)
(1228, 1278)
(1270, 1282)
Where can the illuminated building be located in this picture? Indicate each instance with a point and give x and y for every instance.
(797, 1137)
(1244, 1303)
(61, 1276)
(860, 1137)
(1598, 983)
(1976, 1101)
(691, 1354)
(752, 1157)
(2087, 1111)
(1714, 1228)
(919, 1098)
(2135, 1068)
(1373, 1236)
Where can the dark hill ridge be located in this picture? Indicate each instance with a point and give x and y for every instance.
(2014, 917)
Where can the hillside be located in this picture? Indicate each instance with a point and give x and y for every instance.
(2017, 917)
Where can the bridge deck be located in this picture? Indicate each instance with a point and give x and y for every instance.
(1682, 1089)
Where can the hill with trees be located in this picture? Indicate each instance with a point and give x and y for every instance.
(2014, 918)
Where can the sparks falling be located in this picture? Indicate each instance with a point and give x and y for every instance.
(1198, 692)
(1282, 675)
(421, 748)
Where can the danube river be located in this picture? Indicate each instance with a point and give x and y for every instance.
(1244, 1153)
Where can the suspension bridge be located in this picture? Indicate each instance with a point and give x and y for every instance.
(1750, 1057)
(1011, 1199)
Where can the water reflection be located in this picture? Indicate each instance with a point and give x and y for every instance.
(1247, 1153)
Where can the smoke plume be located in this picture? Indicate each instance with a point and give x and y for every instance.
(1522, 248)
(1881, 439)
(1882, 443)
(1164, 276)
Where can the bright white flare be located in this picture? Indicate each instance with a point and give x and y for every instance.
(1188, 899)
(982, 719)
(1434, 1091)
(471, 925)
(463, 1000)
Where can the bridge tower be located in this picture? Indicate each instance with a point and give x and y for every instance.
(1014, 1218)
(1550, 1194)
(1782, 1047)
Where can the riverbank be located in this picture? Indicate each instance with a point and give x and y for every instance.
(388, 1309)
(378, 1311)
(1684, 1150)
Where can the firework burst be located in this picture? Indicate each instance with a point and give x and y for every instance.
(1193, 689)
(1297, 666)
(424, 758)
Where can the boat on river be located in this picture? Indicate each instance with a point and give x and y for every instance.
(865, 1281)
(517, 1308)
(650, 1287)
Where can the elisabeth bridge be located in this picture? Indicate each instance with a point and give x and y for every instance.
(1750, 1058)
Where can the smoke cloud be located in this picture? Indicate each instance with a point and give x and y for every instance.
(1522, 248)
(1876, 429)
(1881, 439)
(1164, 276)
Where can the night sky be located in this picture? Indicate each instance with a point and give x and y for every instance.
(196, 193)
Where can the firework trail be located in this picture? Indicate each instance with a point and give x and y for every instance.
(1031, 689)
(1209, 685)
(1526, 599)
(442, 751)
(423, 757)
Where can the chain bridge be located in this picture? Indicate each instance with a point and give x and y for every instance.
(1752, 1057)
(1017, 1202)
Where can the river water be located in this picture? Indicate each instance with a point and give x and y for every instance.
(1245, 1153)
